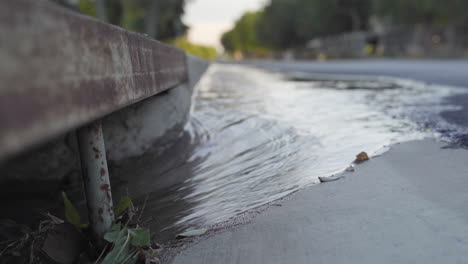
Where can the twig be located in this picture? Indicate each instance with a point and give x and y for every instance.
(143, 208)
(126, 224)
(55, 220)
(7, 247)
(31, 253)
(129, 256)
(102, 253)
(123, 246)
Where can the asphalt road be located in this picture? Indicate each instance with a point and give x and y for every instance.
(443, 72)
(407, 206)
(448, 72)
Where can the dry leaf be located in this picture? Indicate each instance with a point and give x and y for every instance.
(361, 157)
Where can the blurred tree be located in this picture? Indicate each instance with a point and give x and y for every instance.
(201, 51)
(277, 24)
(243, 37)
(152, 16)
(289, 23)
(87, 7)
(429, 12)
(161, 19)
(101, 12)
(284, 24)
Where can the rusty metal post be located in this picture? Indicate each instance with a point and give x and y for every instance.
(96, 179)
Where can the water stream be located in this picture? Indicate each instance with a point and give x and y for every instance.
(256, 136)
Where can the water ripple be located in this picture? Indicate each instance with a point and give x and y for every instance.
(258, 136)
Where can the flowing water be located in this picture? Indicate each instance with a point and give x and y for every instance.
(255, 136)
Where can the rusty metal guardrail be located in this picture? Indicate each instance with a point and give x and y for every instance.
(61, 71)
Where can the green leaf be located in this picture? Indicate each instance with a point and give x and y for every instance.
(111, 236)
(117, 226)
(124, 203)
(71, 214)
(133, 259)
(195, 232)
(120, 252)
(115, 233)
(140, 237)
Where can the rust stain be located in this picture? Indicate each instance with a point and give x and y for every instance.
(104, 187)
(103, 172)
(70, 102)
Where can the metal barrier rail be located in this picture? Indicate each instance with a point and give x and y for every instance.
(61, 71)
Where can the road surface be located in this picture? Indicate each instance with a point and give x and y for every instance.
(443, 72)
(406, 206)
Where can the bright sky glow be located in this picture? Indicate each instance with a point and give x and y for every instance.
(209, 19)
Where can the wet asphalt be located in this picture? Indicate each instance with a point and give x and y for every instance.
(441, 72)
(407, 206)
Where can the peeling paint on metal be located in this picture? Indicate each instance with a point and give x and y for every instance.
(97, 183)
(92, 69)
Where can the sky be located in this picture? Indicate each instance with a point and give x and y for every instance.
(209, 19)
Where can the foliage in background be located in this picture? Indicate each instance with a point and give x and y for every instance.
(162, 17)
(205, 52)
(429, 12)
(244, 37)
(284, 24)
(159, 19)
(288, 24)
(87, 7)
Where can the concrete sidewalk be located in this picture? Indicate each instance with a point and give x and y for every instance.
(408, 206)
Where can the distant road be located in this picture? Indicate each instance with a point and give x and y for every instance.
(444, 72)
(447, 72)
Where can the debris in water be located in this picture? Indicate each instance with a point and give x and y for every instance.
(350, 169)
(191, 233)
(361, 157)
(331, 178)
